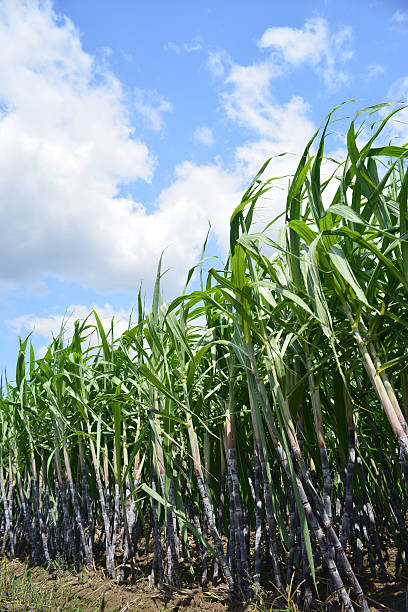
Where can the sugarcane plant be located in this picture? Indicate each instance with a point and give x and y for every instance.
(252, 431)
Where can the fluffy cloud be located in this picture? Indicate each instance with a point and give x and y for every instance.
(151, 106)
(284, 146)
(198, 195)
(249, 99)
(67, 149)
(314, 44)
(287, 128)
(66, 145)
(205, 135)
(279, 128)
(250, 102)
(218, 63)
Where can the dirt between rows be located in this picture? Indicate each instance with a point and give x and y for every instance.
(78, 592)
(94, 592)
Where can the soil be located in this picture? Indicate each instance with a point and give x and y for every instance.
(84, 592)
(95, 592)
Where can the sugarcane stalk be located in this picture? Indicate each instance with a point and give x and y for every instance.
(8, 528)
(129, 514)
(77, 513)
(404, 392)
(317, 415)
(259, 518)
(68, 541)
(240, 544)
(371, 522)
(378, 385)
(157, 574)
(311, 518)
(204, 494)
(109, 558)
(116, 507)
(348, 496)
(172, 540)
(86, 498)
(220, 508)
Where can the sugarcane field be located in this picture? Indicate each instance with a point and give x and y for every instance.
(203, 306)
(243, 446)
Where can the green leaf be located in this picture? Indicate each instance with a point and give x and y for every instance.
(341, 264)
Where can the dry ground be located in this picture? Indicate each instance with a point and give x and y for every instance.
(37, 589)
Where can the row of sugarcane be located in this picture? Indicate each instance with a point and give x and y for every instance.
(252, 433)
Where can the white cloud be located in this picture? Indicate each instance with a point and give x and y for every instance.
(314, 44)
(189, 47)
(298, 45)
(218, 63)
(399, 123)
(198, 194)
(205, 135)
(400, 16)
(278, 127)
(151, 106)
(66, 147)
(51, 325)
(288, 131)
(251, 103)
(248, 99)
(194, 45)
(373, 71)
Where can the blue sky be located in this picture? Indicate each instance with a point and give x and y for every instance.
(126, 127)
